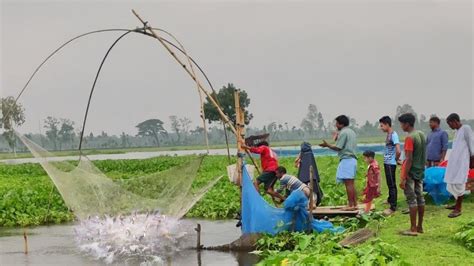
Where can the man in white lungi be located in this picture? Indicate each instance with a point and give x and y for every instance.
(460, 160)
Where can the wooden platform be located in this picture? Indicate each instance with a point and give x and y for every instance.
(331, 211)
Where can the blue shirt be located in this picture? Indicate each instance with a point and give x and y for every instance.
(390, 148)
(436, 143)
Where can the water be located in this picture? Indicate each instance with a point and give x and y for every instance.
(56, 245)
(281, 152)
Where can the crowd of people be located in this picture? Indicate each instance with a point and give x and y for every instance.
(420, 152)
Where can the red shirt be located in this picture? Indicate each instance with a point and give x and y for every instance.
(408, 147)
(268, 158)
(373, 175)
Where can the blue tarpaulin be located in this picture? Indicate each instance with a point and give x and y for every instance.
(260, 217)
(435, 186)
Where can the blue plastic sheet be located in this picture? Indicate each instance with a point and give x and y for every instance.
(260, 217)
(435, 186)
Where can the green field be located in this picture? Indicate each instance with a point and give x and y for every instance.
(26, 195)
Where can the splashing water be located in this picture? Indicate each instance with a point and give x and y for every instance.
(146, 237)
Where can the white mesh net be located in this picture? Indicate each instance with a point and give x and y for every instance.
(89, 192)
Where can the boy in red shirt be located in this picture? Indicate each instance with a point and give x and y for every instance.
(372, 188)
(269, 161)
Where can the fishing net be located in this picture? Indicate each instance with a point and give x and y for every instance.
(259, 217)
(89, 192)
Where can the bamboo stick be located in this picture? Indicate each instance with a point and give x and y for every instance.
(25, 238)
(224, 117)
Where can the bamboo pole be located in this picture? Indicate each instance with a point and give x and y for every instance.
(311, 199)
(224, 117)
(239, 163)
(25, 238)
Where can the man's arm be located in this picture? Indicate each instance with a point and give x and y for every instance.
(398, 152)
(330, 146)
(275, 194)
(406, 168)
(444, 145)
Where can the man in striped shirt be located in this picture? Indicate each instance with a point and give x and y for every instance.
(290, 183)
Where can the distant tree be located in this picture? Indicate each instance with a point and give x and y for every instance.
(52, 130)
(310, 122)
(124, 139)
(13, 115)
(273, 130)
(66, 132)
(185, 124)
(152, 128)
(353, 123)
(403, 109)
(197, 131)
(320, 122)
(225, 97)
(176, 127)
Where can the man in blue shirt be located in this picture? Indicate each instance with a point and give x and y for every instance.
(390, 159)
(436, 143)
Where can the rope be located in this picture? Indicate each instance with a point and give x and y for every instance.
(93, 88)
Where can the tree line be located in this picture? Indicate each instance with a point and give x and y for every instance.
(62, 133)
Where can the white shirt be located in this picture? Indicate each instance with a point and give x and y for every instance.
(459, 159)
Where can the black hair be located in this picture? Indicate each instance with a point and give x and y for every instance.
(343, 120)
(386, 120)
(407, 119)
(281, 169)
(435, 119)
(453, 118)
(263, 143)
(369, 154)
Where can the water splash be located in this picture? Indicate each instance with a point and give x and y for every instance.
(147, 238)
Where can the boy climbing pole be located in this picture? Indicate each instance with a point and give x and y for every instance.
(269, 161)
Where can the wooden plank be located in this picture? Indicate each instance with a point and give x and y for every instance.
(332, 211)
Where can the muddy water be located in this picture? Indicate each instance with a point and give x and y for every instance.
(55, 245)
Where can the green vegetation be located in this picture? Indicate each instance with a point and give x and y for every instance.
(466, 235)
(25, 194)
(324, 249)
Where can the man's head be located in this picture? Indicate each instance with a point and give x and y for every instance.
(385, 123)
(342, 121)
(434, 122)
(454, 121)
(407, 122)
(280, 172)
(369, 156)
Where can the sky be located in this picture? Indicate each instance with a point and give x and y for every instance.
(360, 58)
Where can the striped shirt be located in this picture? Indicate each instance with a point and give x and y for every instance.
(291, 183)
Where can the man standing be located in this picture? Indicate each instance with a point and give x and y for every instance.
(436, 143)
(413, 172)
(460, 160)
(390, 160)
(346, 145)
